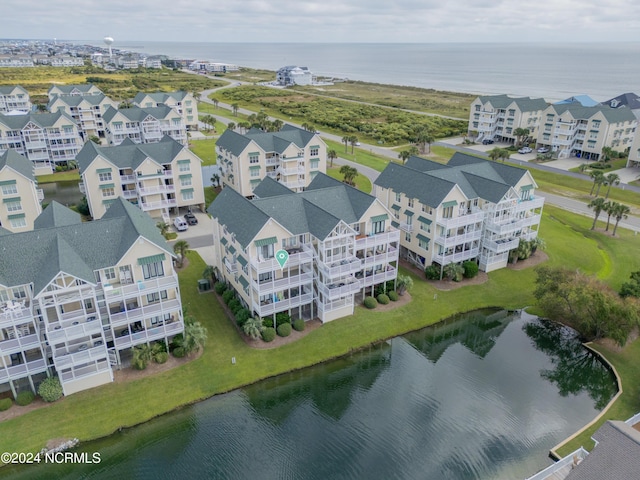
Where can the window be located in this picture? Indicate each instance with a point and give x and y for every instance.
(427, 209)
(447, 212)
(152, 270)
(110, 273)
(398, 197)
(596, 124)
(14, 206)
(104, 177)
(255, 172)
(425, 227)
(156, 296)
(187, 195)
(477, 108)
(18, 222)
(265, 277)
(423, 244)
(314, 163)
(512, 112)
(254, 158)
(185, 181)
(410, 202)
(184, 167)
(313, 151)
(266, 251)
(9, 189)
(407, 236)
(378, 227)
(108, 192)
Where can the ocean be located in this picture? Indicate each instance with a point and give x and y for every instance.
(549, 70)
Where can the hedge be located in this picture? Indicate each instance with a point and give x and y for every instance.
(393, 296)
(284, 330)
(268, 334)
(25, 398)
(5, 404)
(299, 325)
(50, 389)
(383, 299)
(161, 357)
(370, 302)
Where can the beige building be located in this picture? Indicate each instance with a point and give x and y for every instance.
(86, 111)
(497, 117)
(339, 244)
(182, 102)
(144, 125)
(81, 89)
(292, 156)
(19, 191)
(634, 151)
(158, 177)
(46, 139)
(573, 130)
(76, 296)
(469, 209)
(14, 98)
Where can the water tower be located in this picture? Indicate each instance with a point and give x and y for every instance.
(108, 41)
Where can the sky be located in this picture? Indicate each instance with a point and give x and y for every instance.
(382, 21)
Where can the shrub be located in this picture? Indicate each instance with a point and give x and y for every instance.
(470, 269)
(242, 316)
(393, 296)
(227, 296)
(161, 357)
(298, 325)
(432, 272)
(268, 334)
(5, 404)
(158, 347)
(267, 322)
(220, 287)
(139, 363)
(50, 389)
(179, 352)
(25, 398)
(282, 317)
(383, 299)
(284, 330)
(370, 302)
(234, 305)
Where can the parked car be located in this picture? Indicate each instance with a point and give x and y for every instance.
(191, 219)
(543, 150)
(487, 141)
(525, 150)
(180, 224)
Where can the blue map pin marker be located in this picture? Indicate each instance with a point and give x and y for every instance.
(282, 256)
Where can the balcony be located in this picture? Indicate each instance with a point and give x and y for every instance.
(157, 189)
(445, 259)
(345, 266)
(533, 203)
(125, 317)
(293, 170)
(20, 314)
(377, 239)
(271, 307)
(158, 174)
(461, 221)
(83, 372)
(380, 257)
(19, 344)
(127, 179)
(299, 183)
(40, 194)
(510, 226)
(453, 240)
(128, 194)
(141, 287)
(272, 286)
(57, 334)
(273, 161)
(502, 245)
(407, 227)
(375, 277)
(347, 286)
(297, 257)
(148, 335)
(171, 202)
(35, 144)
(15, 372)
(231, 266)
(83, 354)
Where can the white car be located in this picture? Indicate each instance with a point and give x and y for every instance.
(180, 224)
(525, 150)
(543, 150)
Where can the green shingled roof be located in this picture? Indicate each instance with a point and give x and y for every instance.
(269, 187)
(18, 162)
(268, 141)
(56, 215)
(137, 114)
(525, 104)
(43, 120)
(613, 115)
(75, 100)
(160, 97)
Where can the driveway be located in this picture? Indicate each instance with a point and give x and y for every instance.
(628, 175)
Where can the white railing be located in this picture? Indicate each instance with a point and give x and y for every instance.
(172, 202)
(564, 463)
(345, 267)
(293, 281)
(65, 319)
(524, 205)
(288, 171)
(335, 305)
(501, 246)
(157, 189)
(140, 287)
(377, 239)
(272, 161)
(333, 291)
(129, 193)
(18, 371)
(78, 358)
(127, 178)
(40, 194)
(461, 221)
(454, 240)
(513, 225)
(21, 314)
(148, 335)
(293, 184)
(82, 372)
(85, 329)
(407, 227)
(390, 273)
(139, 313)
(19, 343)
(443, 259)
(270, 264)
(281, 305)
(391, 255)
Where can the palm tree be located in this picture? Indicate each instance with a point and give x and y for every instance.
(142, 354)
(454, 271)
(519, 133)
(231, 126)
(598, 180)
(180, 248)
(332, 155)
(195, 337)
(196, 96)
(611, 179)
(245, 126)
(277, 125)
(215, 102)
(253, 327)
(423, 137)
(404, 155)
(404, 283)
(345, 140)
(215, 180)
(607, 153)
(353, 140)
(622, 211)
(234, 108)
(350, 173)
(609, 209)
(597, 204)
(210, 273)
(495, 153)
(504, 154)
(164, 228)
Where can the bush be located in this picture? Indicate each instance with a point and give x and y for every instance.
(234, 305)
(470, 269)
(5, 404)
(50, 389)
(284, 330)
(393, 296)
(220, 287)
(282, 317)
(298, 325)
(242, 316)
(268, 334)
(179, 352)
(370, 302)
(161, 357)
(139, 363)
(267, 322)
(432, 272)
(228, 296)
(383, 299)
(25, 398)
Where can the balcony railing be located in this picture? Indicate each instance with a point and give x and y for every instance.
(129, 194)
(461, 239)
(139, 288)
(501, 246)
(127, 179)
(565, 465)
(295, 259)
(83, 372)
(374, 240)
(264, 309)
(462, 220)
(345, 266)
(513, 225)
(377, 258)
(271, 286)
(171, 202)
(389, 273)
(445, 259)
(157, 189)
(80, 357)
(407, 227)
(19, 315)
(15, 372)
(336, 290)
(139, 313)
(524, 205)
(19, 344)
(58, 334)
(147, 335)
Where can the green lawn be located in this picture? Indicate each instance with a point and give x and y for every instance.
(210, 195)
(69, 176)
(101, 411)
(361, 155)
(220, 112)
(362, 182)
(205, 149)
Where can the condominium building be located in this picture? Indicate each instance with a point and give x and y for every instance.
(469, 209)
(66, 61)
(292, 156)
(573, 130)
(76, 296)
(16, 61)
(294, 75)
(144, 125)
(14, 98)
(496, 117)
(634, 151)
(44, 138)
(86, 111)
(182, 102)
(157, 177)
(19, 191)
(81, 89)
(338, 242)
